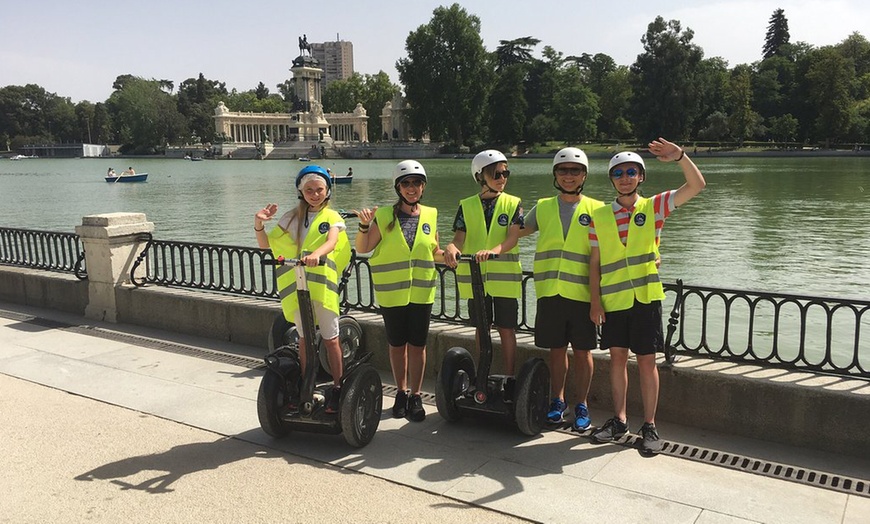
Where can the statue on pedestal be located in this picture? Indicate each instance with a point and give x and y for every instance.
(304, 45)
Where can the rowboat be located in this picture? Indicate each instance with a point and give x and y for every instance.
(138, 177)
(345, 179)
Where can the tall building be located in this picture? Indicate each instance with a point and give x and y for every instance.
(336, 59)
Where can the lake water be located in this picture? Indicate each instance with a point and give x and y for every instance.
(798, 225)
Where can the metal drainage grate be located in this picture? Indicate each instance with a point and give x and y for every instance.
(733, 461)
(391, 391)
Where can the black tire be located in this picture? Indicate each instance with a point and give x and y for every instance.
(350, 336)
(457, 360)
(361, 404)
(283, 333)
(533, 390)
(272, 397)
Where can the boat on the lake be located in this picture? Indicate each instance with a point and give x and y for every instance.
(138, 177)
(344, 179)
(22, 157)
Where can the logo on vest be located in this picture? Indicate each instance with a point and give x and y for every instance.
(323, 228)
(640, 219)
(503, 219)
(427, 229)
(584, 219)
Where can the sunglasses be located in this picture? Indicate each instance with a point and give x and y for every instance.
(408, 182)
(501, 174)
(575, 171)
(630, 173)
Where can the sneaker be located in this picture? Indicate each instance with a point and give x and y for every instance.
(650, 444)
(612, 430)
(401, 405)
(557, 407)
(332, 405)
(581, 417)
(416, 413)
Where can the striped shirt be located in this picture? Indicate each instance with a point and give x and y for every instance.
(663, 204)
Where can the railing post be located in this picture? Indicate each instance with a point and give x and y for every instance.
(111, 245)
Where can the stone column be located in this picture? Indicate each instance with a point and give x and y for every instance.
(111, 243)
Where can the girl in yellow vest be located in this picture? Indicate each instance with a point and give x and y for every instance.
(562, 282)
(487, 224)
(405, 243)
(310, 231)
(624, 281)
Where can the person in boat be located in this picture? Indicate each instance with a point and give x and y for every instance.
(488, 223)
(129, 171)
(349, 172)
(111, 172)
(624, 281)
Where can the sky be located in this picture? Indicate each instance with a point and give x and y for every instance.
(76, 49)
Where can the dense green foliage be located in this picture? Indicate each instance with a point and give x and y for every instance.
(462, 94)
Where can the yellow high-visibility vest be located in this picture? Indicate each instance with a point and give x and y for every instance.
(628, 272)
(502, 276)
(562, 261)
(404, 274)
(323, 279)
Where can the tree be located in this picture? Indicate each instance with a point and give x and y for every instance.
(197, 99)
(261, 91)
(507, 106)
(341, 96)
(577, 105)
(665, 101)
(742, 119)
(777, 34)
(516, 51)
(614, 98)
(830, 77)
(447, 75)
(783, 128)
(146, 116)
(379, 90)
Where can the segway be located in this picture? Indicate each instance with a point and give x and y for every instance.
(290, 399)
(461, 390)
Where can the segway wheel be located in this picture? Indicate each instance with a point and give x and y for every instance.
(350, 337)
(456, 368)
(283, 333)
(272, 397)
(361, 403)
(533, 389)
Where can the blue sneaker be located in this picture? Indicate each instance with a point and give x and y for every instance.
(557, 407)
(581, 417)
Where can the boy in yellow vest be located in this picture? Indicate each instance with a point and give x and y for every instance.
(626, 291)
(562, 282)
(488, 223)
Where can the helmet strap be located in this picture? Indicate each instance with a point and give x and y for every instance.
(564, 192)
(412, 205)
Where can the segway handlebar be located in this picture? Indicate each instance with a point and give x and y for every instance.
(472, 257)
(281, 261)
(347, 214)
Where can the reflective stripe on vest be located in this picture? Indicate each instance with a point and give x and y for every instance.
(404, 274)
(562, 261)
(628, 272)
(502, 276)
(323, 279)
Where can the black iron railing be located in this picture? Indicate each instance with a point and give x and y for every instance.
(772, 329)
(210, 267)
(43, 250)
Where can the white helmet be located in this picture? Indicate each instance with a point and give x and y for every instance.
(626, 156)
(407, 168)
(483, 159)
(571, 154)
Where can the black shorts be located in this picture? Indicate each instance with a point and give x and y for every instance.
(638, 329)
(560, 321)
(505, 310)
(407, 324)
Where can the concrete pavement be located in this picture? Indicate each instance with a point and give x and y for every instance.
(163, 427)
